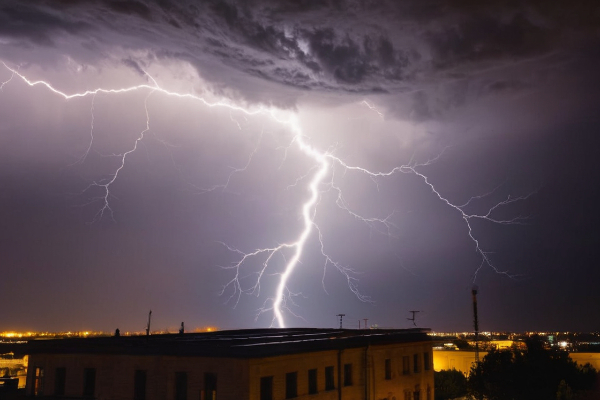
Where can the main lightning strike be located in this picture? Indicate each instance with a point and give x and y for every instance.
(321, 180)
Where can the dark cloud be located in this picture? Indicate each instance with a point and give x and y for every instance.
(130, 8)
(36, 24)
(403, 46)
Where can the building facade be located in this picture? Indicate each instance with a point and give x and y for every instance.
(265, 364)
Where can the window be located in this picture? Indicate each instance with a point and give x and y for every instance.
(428, 392)
(347, 374)
(38, 385)
(291, 385)
(89, 381)
(417, 393)
(426, 361)
(266, 388)
(139, 385)
(388, 369)
(407, 395)
(60, 377)
(405, 365)
(312, 381)
(181, 383)
(329, 381)
(415, 363)
(210, 386)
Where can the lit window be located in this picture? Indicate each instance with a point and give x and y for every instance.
(38, 386)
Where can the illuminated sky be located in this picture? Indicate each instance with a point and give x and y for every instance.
(495, 100)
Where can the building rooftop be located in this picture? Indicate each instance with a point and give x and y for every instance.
(244, 343)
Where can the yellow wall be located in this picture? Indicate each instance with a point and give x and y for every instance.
(239, 379)
(462, 360)
(368, 372)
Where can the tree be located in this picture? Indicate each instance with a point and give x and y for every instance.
(536, 373)
(449, 384)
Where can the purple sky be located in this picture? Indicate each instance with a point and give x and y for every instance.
(501, 99)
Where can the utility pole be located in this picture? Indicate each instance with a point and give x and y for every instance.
(341, 317)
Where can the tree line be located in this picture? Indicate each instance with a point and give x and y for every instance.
(536, 373)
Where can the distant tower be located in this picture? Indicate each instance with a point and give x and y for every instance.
(475, 322)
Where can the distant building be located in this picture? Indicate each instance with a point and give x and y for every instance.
(263, 364)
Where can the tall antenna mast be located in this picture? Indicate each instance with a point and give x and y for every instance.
(148, 326)
(475, 322)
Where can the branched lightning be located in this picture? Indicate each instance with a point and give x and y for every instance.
(320, 178)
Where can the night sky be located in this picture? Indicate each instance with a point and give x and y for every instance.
(481, 103)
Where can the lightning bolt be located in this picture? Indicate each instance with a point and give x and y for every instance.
(321, 179)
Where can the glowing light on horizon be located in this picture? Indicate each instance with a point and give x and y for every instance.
(321, 179)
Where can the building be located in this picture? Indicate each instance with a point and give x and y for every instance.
(262, 364)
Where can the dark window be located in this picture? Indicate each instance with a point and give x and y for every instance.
(89, 381)
(329, 381)
(405, 365)
(210, 386)
(407, 394)
(312, 381)
(181, 383)
(38, 386)
(426, 361)
(266, 388)
(60, 378)
(139, 385)
(417, 393)
(388, 369)
(291, 385)
(416, 363)
(347, 374)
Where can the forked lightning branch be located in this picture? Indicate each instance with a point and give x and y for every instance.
(321, 179)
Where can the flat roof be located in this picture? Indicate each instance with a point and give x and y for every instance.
(243, 343)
